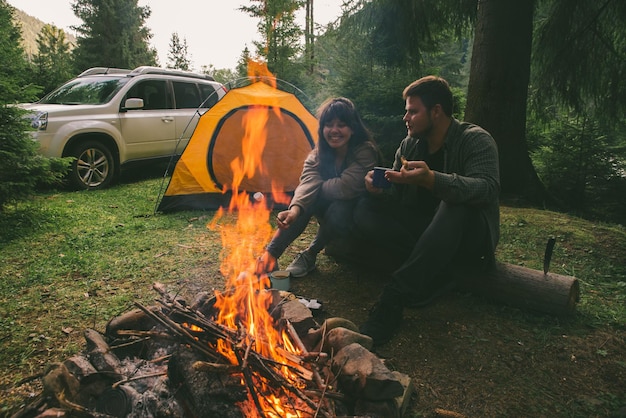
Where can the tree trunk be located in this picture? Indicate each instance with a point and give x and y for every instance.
(498, 88)
(309, 36)
(527, 289)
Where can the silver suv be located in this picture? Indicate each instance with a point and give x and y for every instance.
(108, 117)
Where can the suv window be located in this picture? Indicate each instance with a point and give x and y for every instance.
(94, 91)
(209, 95)
(187, 95)
(153, 93)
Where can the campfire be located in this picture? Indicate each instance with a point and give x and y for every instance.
(246, 351)
(174, 359)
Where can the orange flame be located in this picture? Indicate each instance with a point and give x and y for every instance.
(245, 303)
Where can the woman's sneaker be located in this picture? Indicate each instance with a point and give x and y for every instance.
(303, 264)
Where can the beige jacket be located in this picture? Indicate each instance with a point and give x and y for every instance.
(348, 184)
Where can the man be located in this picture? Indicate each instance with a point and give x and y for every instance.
(441, 213)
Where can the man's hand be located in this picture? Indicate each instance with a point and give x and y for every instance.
(413, 172)
(286, 217)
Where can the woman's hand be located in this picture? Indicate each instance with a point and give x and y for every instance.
(286, 217)
(369, 183)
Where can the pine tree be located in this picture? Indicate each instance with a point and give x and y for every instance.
(281, 35)
(177, 57)
(113, 34)
(242, 63)
(14, 69)
(22, 168)
(53, 61)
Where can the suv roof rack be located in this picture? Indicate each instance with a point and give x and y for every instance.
(103, 70)
(145, 69)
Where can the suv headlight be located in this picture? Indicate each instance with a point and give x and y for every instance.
(40, 121)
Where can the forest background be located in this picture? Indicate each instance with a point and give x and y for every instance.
(543, 76)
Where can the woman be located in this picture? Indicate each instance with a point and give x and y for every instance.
(330, 184)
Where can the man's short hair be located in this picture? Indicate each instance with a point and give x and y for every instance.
(431, 90)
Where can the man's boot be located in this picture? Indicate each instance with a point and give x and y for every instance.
(385, 317)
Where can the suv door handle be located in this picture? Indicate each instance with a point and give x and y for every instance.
(167, 119)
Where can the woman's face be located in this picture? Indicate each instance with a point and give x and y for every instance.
(337, 134)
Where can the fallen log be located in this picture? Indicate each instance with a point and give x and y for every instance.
(522, 287)
(526, 288)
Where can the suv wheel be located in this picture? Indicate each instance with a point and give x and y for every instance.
(94, 166)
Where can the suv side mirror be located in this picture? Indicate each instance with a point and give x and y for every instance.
(133, 103)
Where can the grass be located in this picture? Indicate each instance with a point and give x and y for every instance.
(74, 260)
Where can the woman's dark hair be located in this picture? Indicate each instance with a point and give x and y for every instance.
(344, 110)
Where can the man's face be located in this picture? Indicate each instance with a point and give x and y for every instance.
(417, 118)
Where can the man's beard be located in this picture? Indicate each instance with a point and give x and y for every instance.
(424, 132)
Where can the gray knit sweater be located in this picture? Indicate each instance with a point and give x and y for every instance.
(470, 176)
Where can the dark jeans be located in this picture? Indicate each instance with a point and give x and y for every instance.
(335, 220)
(434, 250)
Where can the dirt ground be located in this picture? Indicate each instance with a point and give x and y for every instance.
(475, 358)
(468, 357)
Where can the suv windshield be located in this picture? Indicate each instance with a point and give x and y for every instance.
(91, 91)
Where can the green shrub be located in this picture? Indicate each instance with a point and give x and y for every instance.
(23, 169)
(582, 164)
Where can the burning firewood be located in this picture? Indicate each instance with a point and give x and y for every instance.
(181, 355)
(200, 332)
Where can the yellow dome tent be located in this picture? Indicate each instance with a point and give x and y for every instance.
(207, 170)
